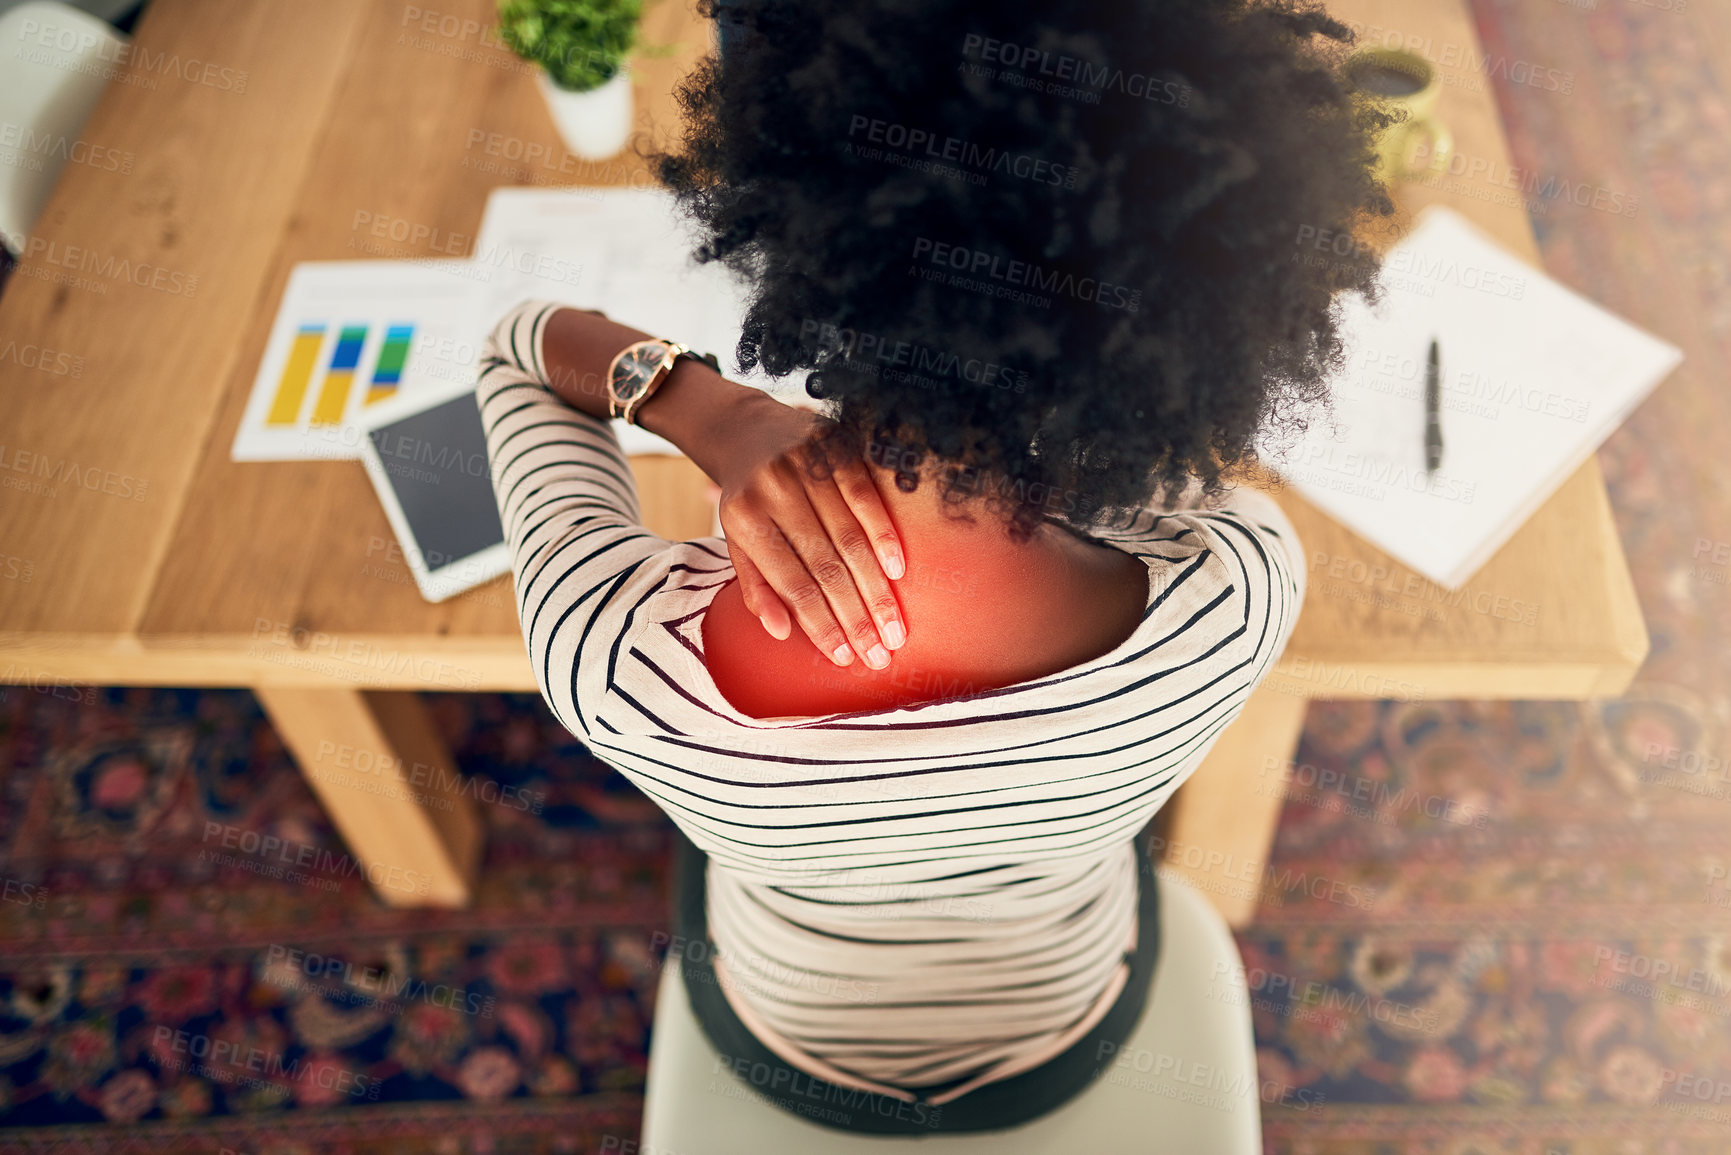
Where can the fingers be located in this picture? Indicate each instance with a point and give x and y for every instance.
(867, 505)
(795, 556)
(836, 555)
(850, 536)
(759, 598)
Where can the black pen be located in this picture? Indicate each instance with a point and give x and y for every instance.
(1432, 416)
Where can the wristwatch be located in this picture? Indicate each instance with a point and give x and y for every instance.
(638, 371)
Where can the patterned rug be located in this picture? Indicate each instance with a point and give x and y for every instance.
(1539, 962)
(193, 962)
(1545, 968)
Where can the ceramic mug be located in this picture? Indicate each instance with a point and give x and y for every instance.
(1405, 82)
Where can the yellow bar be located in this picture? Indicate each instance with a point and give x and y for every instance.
(333, 397)
(291, 388)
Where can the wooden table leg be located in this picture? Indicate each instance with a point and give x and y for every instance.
(378, 765)
(1224, 816)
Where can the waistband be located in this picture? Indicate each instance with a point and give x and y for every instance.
(1004, 1103)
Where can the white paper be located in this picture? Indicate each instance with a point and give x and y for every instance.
(622, 251)
(1534, 378)
(435, 301)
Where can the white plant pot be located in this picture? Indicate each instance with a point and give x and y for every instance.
(595, 124)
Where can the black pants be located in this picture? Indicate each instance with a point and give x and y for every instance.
(996, 1106)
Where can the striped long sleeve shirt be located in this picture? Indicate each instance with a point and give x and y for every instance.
(937, 893)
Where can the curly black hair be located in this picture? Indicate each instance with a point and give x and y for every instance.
(1055, 244)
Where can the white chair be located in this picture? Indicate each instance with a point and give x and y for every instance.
(57, 65)
(1184, 1083)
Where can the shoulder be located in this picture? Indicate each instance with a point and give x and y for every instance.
(765, 677)
(1248, 539)
(969, 631)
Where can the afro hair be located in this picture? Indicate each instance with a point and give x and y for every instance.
(1051, 244)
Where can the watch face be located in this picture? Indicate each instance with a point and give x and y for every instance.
(635, 370)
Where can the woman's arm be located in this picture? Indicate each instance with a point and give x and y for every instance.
(579, 552)
(825, 548)
(696, 408)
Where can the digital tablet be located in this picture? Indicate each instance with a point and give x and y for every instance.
(427, 456)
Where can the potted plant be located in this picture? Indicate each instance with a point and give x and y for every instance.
(581, 46)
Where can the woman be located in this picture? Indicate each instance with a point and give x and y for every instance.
(1041, 262)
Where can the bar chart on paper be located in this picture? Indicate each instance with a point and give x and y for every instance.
(334, 387)
(348, 335)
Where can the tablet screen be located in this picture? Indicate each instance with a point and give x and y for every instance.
(436, 461)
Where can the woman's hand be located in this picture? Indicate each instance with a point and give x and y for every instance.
(824, 549)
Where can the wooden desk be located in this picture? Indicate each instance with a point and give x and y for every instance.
(153, 559)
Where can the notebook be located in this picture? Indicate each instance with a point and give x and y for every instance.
(1534, 377)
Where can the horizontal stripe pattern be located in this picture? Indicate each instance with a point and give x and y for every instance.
(918, 899)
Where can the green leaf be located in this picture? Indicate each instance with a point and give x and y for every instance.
(581, 43)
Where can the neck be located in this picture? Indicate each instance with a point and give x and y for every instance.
(972, 529)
